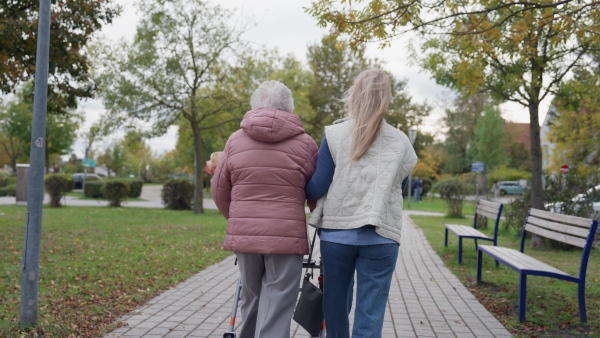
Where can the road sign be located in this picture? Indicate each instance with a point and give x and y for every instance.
(87, 162)
(477, 167)
(564, 169)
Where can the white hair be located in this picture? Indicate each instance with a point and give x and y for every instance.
(272, 94)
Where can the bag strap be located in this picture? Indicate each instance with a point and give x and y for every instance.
(310, 252)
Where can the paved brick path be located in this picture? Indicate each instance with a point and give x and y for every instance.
(426, 300)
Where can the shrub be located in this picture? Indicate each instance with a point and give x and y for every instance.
(427, 184)
(135, 187)
(559, 192)
(57, 186)
(177, 194)
(115, 191)
(93, 189)
(453, 191)
(9, 190)
(4, 176)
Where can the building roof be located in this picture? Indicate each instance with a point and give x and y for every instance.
(519, 132)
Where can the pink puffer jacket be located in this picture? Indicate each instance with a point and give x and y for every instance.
(259, 183)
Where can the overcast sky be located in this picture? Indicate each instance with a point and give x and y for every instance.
(285, 26)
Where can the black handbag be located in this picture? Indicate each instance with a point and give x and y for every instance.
(309, 310)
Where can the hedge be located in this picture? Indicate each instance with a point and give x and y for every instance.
(93, 189)
(115, 191)
(9, 190)
(177, 194)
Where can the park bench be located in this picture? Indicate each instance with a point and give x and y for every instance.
(488, 209)
(576, 231)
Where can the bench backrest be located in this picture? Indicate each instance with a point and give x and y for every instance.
(490, 210)
(573, 230)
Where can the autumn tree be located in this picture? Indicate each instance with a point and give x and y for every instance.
(71, 26)
(576, 122)
(381, 21)
(522, 60)
(175, 67)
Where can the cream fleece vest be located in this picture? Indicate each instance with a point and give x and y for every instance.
(367, 191)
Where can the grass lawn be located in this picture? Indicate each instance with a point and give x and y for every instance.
(552, 307)
(98, 263)
(436, 204)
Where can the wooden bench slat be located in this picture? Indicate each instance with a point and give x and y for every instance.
(490, 203)
(465, 231)
(488, 209)
(488, 215)
(520, 260)
(576, 241)
(580, 221)
(567, 229)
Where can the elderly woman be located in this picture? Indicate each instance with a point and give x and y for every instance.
(258, 186)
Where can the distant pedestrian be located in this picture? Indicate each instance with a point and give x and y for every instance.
(258, 186)
(362, 163)
(418, 186)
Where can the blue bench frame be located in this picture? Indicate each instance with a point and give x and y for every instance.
(488, 209)
(572, 230)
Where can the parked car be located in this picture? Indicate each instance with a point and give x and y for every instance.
(78, 179)
(510, 188)
(579, 199)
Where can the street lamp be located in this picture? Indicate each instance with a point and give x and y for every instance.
(412, 134)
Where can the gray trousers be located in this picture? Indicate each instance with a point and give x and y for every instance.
(270, 285)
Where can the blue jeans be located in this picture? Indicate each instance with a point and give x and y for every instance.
(417, 194)
(374, 266)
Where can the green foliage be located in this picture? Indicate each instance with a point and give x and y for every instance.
(4, 176)
(69, 72)
(503, 173)
(552, 309)
(135, 187)
(461, 120)
(176, 67)
(334, 66)
(115, 191)
(489, 139)
(57, 185)
(9, 190)
(15, 124)
(177, 194)
(515, 212)
(453, 191)
(93, 189)
(427, 185)
(559, 194)
(99, 264)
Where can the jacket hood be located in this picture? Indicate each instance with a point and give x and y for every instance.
(271, 125)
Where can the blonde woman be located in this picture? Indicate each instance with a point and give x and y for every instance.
(360, 169)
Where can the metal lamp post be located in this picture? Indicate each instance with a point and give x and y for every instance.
(35, 193)
(412, 134)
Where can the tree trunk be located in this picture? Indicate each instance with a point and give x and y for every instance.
(537, 188)
(198, 172)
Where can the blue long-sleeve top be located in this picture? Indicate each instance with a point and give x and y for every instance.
(317, 187)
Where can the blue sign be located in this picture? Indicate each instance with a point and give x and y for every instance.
(477, 167)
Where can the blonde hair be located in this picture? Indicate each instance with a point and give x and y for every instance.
(366, 102)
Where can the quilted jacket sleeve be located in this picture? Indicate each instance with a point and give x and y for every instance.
(221, 184)
(313, 153)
